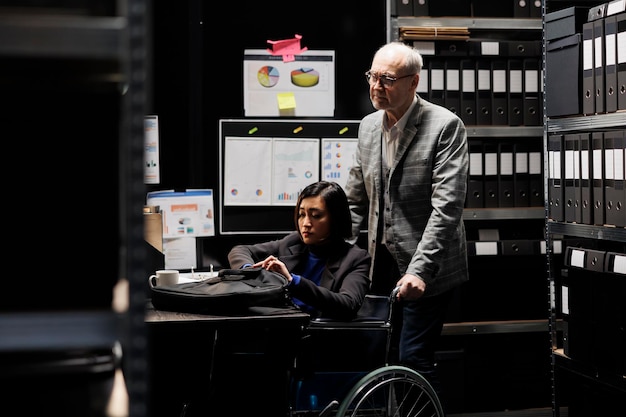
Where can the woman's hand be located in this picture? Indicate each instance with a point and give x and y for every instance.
(272, 263)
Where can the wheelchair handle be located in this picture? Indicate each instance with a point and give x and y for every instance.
(394, 294)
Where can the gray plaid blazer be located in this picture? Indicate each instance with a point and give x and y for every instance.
(427, 186)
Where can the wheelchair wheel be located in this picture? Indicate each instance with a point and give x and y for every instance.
(391, 391)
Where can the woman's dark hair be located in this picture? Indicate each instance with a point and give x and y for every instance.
(336, 204)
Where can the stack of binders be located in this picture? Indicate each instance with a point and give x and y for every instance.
(475, 8)
(587, 177)
(604, 71)
(585, 73)
(556, 194)
(484, 81)
(505, 173)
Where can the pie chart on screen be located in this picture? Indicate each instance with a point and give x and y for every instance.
(268, 76)
(305, 77)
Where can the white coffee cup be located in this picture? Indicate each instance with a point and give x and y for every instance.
(164, 277)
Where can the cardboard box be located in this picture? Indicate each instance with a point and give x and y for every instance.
(153, 230)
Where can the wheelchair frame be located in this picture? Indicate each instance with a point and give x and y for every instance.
(387, 390)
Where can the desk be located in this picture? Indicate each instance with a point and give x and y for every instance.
(221, 365)
(281, 318)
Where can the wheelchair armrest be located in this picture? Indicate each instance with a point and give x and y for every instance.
(357, 322)
(374, 312)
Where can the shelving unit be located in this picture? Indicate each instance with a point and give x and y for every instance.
(72, 80)
(585, 285)
(487, 314)
(472, 23)
(584, 382)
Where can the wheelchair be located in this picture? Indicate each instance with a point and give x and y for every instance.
(343, 370)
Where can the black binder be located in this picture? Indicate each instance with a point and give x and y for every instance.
(579, 281)
(614, 178)
(610, 68)
(555, 178)
(535, 8)
(437, 75)
(611, 315)
(578, 213)
(423, 87)
(521, 8)
(481, 48)
(516, 48)
(468, 92)
(404, 8)
(610, 197)
(420, 7)
(521, 174)
(489, 8)
(589, 97)
(451, 48)
(513, 247)
(535, 172)
(475, 192)
(521, 48)
(570, 141)
(452, 93)
(598, 63)
(483, 92)
(515, 89)
(490, 167)
(621, 64)
(586, 186)
(597, 12)
(499, 93)
(614, 9)
(449, 8)
(506, 169)
(597, 178)
(533, 103)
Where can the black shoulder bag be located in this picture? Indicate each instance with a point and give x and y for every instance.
(232, 291)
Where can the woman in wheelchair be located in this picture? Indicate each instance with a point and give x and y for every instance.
(328, 277)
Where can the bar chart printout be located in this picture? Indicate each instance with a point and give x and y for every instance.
(296, 165)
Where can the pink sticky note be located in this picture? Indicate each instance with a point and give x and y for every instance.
(288, 48)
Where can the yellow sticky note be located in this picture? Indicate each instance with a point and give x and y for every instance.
(286, 101)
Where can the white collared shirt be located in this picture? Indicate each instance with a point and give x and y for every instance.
(392, 135)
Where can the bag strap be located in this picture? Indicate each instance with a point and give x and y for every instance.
(234, 275)
(244, 271)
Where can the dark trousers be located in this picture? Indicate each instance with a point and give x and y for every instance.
(421, 326)
(416, 325)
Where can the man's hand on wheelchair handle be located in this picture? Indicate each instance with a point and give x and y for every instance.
(410, 287)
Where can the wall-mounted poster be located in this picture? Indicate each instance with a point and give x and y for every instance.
(303, 87)
(152, 169)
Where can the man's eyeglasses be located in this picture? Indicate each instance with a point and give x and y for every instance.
(384, 79)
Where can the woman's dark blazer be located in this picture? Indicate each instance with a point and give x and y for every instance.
(344, 283)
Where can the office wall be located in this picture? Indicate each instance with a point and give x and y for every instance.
(198, 72)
